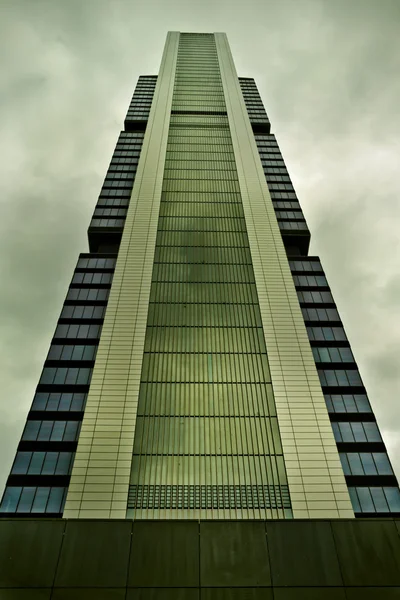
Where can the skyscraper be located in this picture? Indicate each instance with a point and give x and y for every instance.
(199, 368)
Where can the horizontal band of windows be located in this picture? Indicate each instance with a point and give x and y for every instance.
(43, 463)
(340, 378)
(365, 463)
(178, 168)
(352, 432)
(289, 215)
(275, 186)
(29, 499)
(218, 175)
(215, 368)
(347, 403)
(275, 195)
(128, 169)
(82, 331)
(315, 297)
(201, 399)
(45, 401)
(209, 239)
(332, 355)
(326, 334)
(293, 225)
(112, 223)
(201, 197)
(320, 314)
(310, 280)
(92, 278)
(88, 294)
(200, 293)
(204, 315)
(65, 376)
(88, 311)
(221, 340)
(126, 177)
(305, 265)
(96, 263)
(372, 500)
(115, 193)
(72, 352)
(51, 431)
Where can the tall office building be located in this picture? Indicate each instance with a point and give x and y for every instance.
(199, 367)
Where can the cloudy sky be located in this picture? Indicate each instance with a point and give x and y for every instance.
(329, 74)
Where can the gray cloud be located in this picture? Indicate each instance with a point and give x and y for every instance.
(328, 74)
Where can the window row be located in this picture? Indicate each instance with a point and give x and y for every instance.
(43, 463)
(80, 352)
(279, 169)
(338, 378)
(275, 186)
(92, 278)
(51, 431)
(356, 432)
(315, 297)
(347, 403)
(310, 280)
(82, 312)
(123, 202)
(276, 179)
(209, 340)
(127, 150)
(64, 376)
(83, 331)
(333, 355)
(306, 265)
(207, 368)
(230, 293)
(33, 499)
(289, 214)
(96, 263)
(204, 315)
(286, 204)
(375, 499)
(110, 212)
(275, 195)
(199, 223)
(119, 223)
(119, 160)
(293, 225)
(117, 184)
(365, 463)
(88, 294)
(320, 314)
(119, 170)
(118, 177)
(59, 401)
(197, 273)
(115, 193)
(327, 334)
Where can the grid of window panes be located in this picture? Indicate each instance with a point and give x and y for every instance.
(142, 98)
(207, 437)
(41, 471)
(290, 217)
(112, 206)
(359, 441)
(254, 104)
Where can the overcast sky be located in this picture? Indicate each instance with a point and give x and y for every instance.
(329, 75)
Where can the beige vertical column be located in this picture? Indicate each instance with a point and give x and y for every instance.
(100, 477)
(316, 482)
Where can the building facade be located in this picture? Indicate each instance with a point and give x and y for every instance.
(199, 367)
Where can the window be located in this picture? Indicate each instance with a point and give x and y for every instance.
(356, 432)
(64, 376)
(328, 334)
(51, 431)
(335, 377)
(366, 463)
(320, 314)
(375, 499)
(82, 312)
(305, 265)
(315, 297)
(33, 499)
(92, 278)
(332, 355)
(88, 294)
(84, 331)
(351, 403)
(59, 401)
(310, 280)
(58, 352)
(43, 463)
(96, 263)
